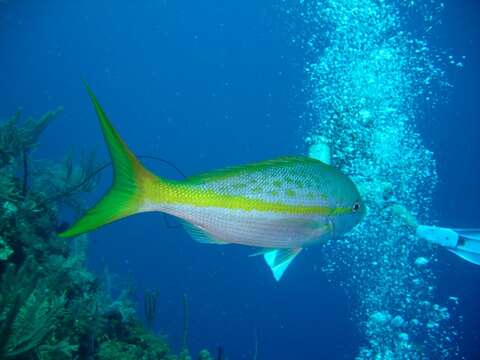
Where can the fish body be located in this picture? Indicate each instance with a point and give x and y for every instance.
(280, 205)
(289, 202)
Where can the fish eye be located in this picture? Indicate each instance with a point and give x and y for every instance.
(356, 206)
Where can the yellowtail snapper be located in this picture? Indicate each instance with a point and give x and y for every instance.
(281, 205)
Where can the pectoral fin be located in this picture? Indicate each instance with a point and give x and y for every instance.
(201, 235)
(279, 259)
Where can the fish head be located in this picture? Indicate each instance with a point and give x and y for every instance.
(350, 208)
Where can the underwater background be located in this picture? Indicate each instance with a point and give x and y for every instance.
(215, 83)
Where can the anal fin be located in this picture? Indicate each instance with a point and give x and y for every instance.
(279, 259)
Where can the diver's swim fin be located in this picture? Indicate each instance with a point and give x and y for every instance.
(474, 258)
(473, 234)
(468, 246)
(462, 242)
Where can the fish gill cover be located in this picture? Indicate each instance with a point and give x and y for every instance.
(369, 79)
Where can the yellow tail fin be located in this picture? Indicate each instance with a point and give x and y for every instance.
(130, 181)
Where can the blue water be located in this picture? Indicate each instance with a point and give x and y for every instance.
(453, 138)
(209, 84)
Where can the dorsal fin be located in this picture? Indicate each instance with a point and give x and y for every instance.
(235, 170)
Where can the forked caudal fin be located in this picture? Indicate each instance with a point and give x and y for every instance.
(130, 182)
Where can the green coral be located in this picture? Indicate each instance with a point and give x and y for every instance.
(51, 306)
(204, 355)
(54, 350)
(117, 350)
(5, 249)
(28, 307)
(137, 344)
(17, 137)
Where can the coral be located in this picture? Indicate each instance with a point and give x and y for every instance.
(150, 307)
(64, 181)
(51, 306)
(30, 309)
(204, 355)
(133, 342)
(184, 355)
(62, 350)
(5, 250)
(185, 328)
(17, 137)
(117, 350)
